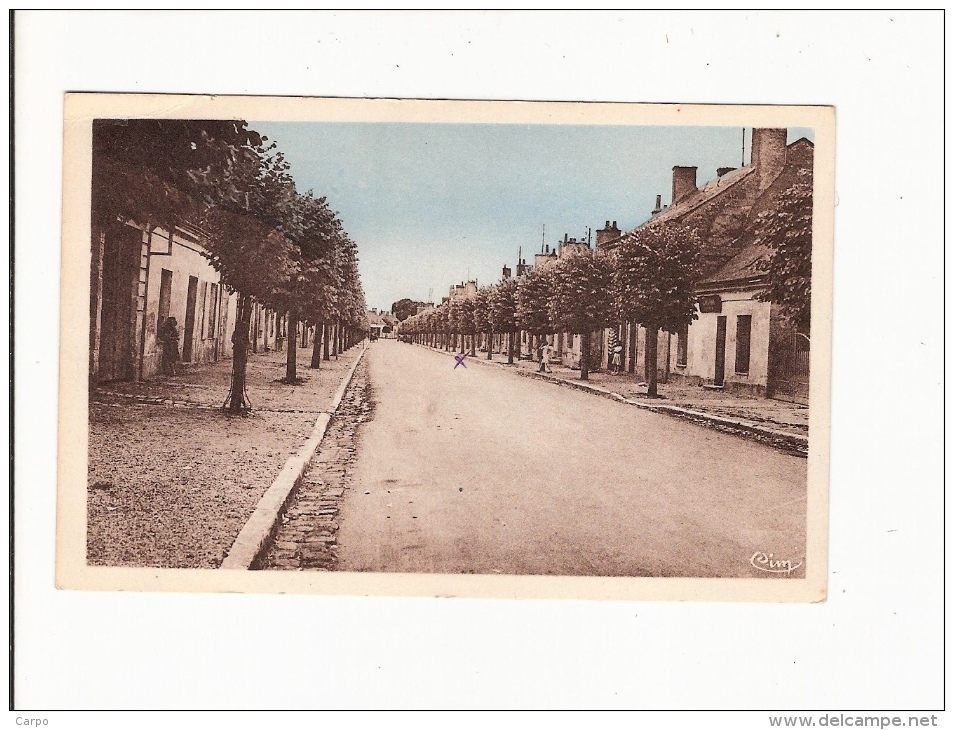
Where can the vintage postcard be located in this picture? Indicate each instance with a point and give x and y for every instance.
(445, 348)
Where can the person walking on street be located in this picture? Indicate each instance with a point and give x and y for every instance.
(168, 335)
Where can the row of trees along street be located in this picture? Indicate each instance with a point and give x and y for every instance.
(648, 278)
(270, 243)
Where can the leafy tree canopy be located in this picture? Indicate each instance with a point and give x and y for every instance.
(503, 306)
(482, 310)
(404, 308)
(655, 271)
(581, 297)
(787, 232)
(533, 301)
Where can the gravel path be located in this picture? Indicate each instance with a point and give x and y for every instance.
(172, 479)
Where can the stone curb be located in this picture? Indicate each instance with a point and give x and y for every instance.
(255, 536)
(796, 442)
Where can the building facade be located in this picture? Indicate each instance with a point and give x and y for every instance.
(138, 278)
(738, 341)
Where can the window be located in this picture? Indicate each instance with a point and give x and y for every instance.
(743, 339)
(165, 295)
(682, 345)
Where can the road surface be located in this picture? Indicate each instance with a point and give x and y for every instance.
(477, 470)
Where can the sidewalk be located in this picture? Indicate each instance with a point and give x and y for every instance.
(172, 478)
(778, 423)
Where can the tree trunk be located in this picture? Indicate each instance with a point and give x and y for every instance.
(237, 402)
(334, 340)
(473, 344)
(291, 360)
(325, 337)
(652, 338)
(316, 348)
(490, 346)
(585, 355)
(510, 348)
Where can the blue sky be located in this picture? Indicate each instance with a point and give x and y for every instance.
(430, 204)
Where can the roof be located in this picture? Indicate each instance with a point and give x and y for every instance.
(691, 202)
(703, 195)
(741, 268)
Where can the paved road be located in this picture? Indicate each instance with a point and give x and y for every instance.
(477, 470)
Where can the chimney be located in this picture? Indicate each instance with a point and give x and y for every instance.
(506, 272)
(683, 182)
(724, 171)
(608, 233)
(658, 209)
(769, 153)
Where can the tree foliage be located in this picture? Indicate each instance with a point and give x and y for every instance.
(404, 308)
(482, 311)
(581, 295)
(654, 275)
(533, 301)
(162, 171)
(787, 232)
(503, 306)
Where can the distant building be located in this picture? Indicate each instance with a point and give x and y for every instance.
(465, 288)
(376, 324)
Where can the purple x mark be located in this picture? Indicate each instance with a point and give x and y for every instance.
(460, 361)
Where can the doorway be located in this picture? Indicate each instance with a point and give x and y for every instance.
(121, 251)
(720, 352)
(190, 319)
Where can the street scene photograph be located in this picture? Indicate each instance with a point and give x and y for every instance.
(470, 339)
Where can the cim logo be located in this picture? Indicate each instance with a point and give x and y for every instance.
(767, 563)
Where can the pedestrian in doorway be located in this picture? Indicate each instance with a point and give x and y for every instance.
(169, 337)
(617, 358)
(543, 353)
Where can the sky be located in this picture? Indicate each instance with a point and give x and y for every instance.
(430, 205)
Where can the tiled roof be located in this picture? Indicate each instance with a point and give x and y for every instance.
(691, 202)
(744, 265)
(703, 195)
